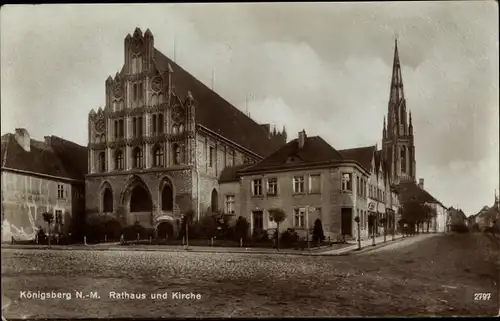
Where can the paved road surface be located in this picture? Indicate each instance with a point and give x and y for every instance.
(437, 276)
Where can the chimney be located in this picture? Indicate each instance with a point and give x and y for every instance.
(267, 129)
(302, 138)
(23, 138)
(421, 183)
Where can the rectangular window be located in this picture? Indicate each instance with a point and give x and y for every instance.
(299, 217)
(257, 187)
(315, 183)
(258, 220)
(298, 184)
(230, 204)
(154, 124)
(160, 123)
(116, 129)
(358, 186)
(210, 156)
(135, 92)
(347, 182)
(60, 191)
(121, 134)
(134, 126)
(272, 186)
(141, 91)
(58, 218)
(139, 126)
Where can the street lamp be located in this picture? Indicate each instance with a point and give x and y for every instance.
(373, 229)
(307, 225)
(185, 218)
(393, 224)
(356, 219)
(384, 223)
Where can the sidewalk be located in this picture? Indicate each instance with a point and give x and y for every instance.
(365, 244)
(169, 248)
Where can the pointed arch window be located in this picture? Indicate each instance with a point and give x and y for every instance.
(160, 123)
(174, 129)
(134, 127)
(137, 157)
(118, 159)
(102, 162)
(158, 156)
(403, 159)
(107, 201)
(181, 128)
(176, 152)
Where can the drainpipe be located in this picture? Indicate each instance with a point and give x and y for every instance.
(197, 179)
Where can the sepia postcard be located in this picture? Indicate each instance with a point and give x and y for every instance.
(244, 160)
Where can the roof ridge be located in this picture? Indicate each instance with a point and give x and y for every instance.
(9, 138)
(208, 87)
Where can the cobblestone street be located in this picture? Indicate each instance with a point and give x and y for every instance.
(437, 276)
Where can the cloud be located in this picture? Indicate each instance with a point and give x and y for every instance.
(321, 67)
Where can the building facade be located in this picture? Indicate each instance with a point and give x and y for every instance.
(162, 140)
(382, 200)
(309, 180)
(39, 177)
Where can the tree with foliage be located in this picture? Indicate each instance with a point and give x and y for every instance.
(415, 213)
(278, 216)
(207, 226)
(48, 218)
(241, 228)
(318, 235)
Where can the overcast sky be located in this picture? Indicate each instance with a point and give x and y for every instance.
(324, 67)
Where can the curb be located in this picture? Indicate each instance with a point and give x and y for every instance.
(370, 247)
(116, 249)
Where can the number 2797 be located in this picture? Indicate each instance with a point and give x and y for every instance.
(481, 296)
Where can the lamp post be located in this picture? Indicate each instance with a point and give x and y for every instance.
(356, 219)
(384, 223)
(307, 228)
(373, 229)
(393, 224)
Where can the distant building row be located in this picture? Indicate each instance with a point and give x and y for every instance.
(164, 143)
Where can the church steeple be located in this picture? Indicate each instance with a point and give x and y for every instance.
(398, 147)
(397, 93)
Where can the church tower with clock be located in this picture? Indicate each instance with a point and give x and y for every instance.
(398, 146)
(160, 143)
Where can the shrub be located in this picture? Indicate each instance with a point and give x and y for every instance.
(459, 228)
(260, 235)
(130, 232)
(289, 238)
(318, 235)
(207, 227)
(241, 228)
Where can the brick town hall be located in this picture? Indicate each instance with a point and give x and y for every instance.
(161, 141)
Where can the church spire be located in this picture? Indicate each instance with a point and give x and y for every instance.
(384, 130)
(397, 93)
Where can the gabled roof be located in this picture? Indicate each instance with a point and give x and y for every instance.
(362, 155)
(214, 112)
(67, 160)
(229, 174)
(411, 191)
(314, 151)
